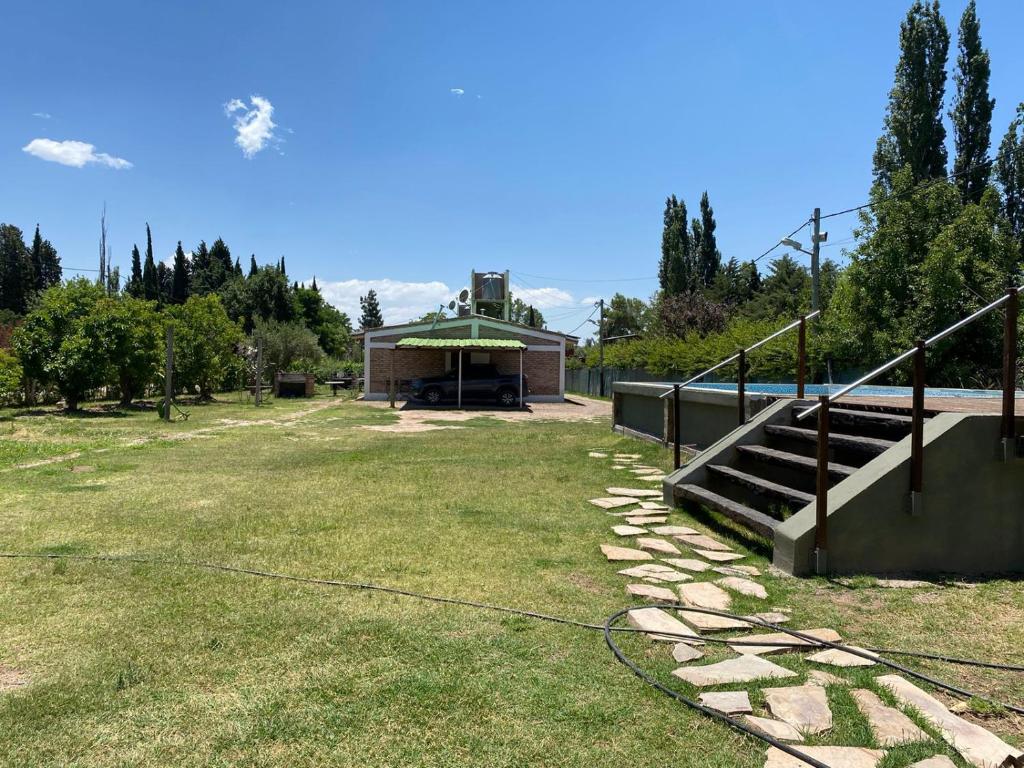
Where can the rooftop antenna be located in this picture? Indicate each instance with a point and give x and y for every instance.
(437, 316)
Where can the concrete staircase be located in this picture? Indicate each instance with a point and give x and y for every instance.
(759, 483)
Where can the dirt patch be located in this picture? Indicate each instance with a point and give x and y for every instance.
(586, 583)
(83, 468)
(408, 426)
(572, 409)
(11, 679)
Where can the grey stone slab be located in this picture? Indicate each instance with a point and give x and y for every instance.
(683, 653)
(660, 625)
(611, 502)
(628, 530)
(700, 541)
(890, 726)
(772, 617)
(698, 566)
(597, 455)
(672, 530)
(657, 545)
(728, 703)
(719, 557)
(620, 466)
(774, 728)
(651, 592)
(737, 570)
(743, 669)
(744, 587)
(837, 658)
(835, 757)
(653, 478)
(707, 622)
(628, 456)
(641, 493)
(673, 577)
(645, 519)
(644, 569)
(824, 679)
(616, 554)
(805, 707)
(938, 761)
(977, 745)
(704, 594)
(768, 643)
(652, 505)
(640, 471)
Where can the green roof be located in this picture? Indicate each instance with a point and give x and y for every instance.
(413, 342)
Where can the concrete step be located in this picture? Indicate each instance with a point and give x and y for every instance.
(794, 461)
(742, 514)
(868, 445)
(791, 496)
(869, 423)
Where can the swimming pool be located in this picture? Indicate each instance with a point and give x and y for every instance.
(813, 390)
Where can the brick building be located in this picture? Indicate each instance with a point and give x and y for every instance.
(542, 353)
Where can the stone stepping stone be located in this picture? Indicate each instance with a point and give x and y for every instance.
(707, 622)
(836, 757)
(939, 761)
(657, 545)
(673, 577)
(615, 554)
(772, 617)
(700, 541)
(890, 726)
(838, 658)
(653, 505)
(646, 520)
(672, 530)
(637, 493)
(805, 707)
(823, 679)
(684, 653)
(661, 594)
(978, 746)
(613, 502)
(645, 471)
(704, 594)
(774, 728)
(628, 530)
(628, 456)
(719, 557)
(656, 623)
(765, 643)
(647, 569)
(737, 570)
(744, 587)
(597, 455)
(620, 466)
(729, 703)
(743, 669)
(654, 478)
(698, 566)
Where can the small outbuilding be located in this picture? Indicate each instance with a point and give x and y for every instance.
(419, 350)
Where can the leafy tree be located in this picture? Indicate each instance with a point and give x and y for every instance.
(1009, 172)
(332, 327)
(624, 316)
(265, 295)
(17, 277)
(526, 314)
(10, 378)
(253, 269)
(130, 332)
(709, 258)
(371, 316)
(150, 274)
(914, 134)
(179, 281)
(45, 263)
(287, 345)
(686, 313)
(136, 286)
(784, 294)
(972, 110)
(57, 344)
(201, 280)
(220, 263)
(238, 268)
(165, 280)
(204, 344)
(676, 270)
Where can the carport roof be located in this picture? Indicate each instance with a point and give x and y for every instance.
(412, 342)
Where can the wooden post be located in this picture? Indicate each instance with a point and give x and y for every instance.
(169, 373)
(917, 431)
(801, 357)
(741, 388)
(1009, 427)
(521, 398)
(259, 371)
(460, 379)
(675, 424)
(391, 379)
(821, 492)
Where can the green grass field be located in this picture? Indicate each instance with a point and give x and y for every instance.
(129, 664)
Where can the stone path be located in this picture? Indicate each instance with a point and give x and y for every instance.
(710, 576)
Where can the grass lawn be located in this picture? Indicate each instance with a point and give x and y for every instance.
(132, 664)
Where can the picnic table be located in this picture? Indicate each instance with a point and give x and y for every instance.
(343, 382)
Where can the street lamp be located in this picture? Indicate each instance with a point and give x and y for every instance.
(789, 243)
(817, 238)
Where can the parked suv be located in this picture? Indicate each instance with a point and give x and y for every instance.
(479, 383)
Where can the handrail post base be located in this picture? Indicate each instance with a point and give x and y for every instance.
(820, 562)
(916, 503)
(1009, 449)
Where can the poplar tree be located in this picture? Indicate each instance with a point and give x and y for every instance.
(45, 263)
(17, 280)
(253, 269)
(150, 273)
(179, 281)
(675, 270)
(972, 110)
(914, 134)
(1009, 172)
(136, 286)
(709, 259)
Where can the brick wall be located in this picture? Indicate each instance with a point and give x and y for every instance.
(541, 368)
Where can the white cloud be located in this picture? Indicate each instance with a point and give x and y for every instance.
(73, 153)
(457, 91)
(542, 298)
(399, 301)
(254, 126)
(42, 115)
(590, 300)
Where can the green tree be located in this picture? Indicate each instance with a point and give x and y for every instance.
(179, 280)
(972, 110)
(57, 344)
(150, 274)
(709, 258)
(17, 277)
(371, 315)
(265, 295)
(1009, 172)
(784, 293)
(130, 332)
(676, 270)
(45, 263)
(332, 328)
(287, 345)
(165, 280)
(205, 340)
(526, 314)
(220, 264)
(10, 378)
(253, 269)
(624, 316)
(136, 286)
(914, 134)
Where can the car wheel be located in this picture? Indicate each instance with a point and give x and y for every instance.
(432, 396)
(508, 398)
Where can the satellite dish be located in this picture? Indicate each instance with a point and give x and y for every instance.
(464, 295)
(451, 304)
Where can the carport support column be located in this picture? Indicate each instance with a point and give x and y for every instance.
(391, 378)
(521, 377)
(460, 378)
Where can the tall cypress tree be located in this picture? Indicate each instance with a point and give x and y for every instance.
(253, 269)
(17, 277)
(675, 270)
(150, 273)
(371, 317)
(46, 269)
(220, 262)
(165, 283)
(1009, 173)
(709, 258)
(179, 280)
(972, 110)
(914, 134)
(136, 286)
(238, 267)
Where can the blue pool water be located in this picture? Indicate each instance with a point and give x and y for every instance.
(813, 390)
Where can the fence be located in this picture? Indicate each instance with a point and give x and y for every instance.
(587, 381)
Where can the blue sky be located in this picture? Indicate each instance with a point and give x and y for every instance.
(412, 142)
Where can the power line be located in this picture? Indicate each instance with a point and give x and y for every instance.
(587, 280)
(780, 242)
(573, 331)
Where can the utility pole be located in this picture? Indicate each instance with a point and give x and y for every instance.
(817, 238)
(600, 342)
(169, 373)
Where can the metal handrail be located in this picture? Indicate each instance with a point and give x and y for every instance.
(903, 357)
(751, 348)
